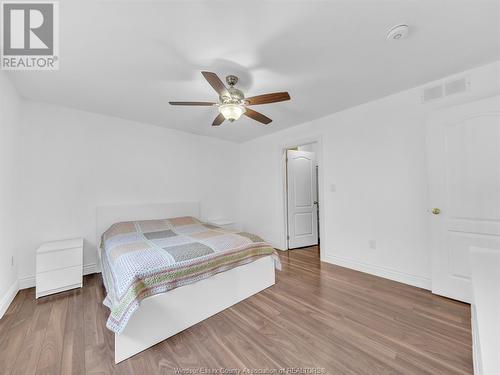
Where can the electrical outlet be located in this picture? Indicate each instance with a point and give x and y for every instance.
(372, 244)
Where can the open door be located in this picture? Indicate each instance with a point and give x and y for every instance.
(302, 199)
(464, 180)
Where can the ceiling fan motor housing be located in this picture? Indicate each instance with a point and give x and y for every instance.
(235, 96)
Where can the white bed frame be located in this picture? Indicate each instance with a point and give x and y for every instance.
(164, 315)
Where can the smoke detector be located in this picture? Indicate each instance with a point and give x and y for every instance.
(398, 32)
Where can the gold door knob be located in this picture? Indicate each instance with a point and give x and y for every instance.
(436, 211)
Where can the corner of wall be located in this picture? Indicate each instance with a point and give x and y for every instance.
(10, 102)
(8, 298)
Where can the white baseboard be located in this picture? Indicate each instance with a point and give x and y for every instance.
(89, 269)
(276, 245)
(8, 298)
(387, 273)
(29, 281)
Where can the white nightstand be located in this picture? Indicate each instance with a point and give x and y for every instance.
(59, 266)
(223, 223)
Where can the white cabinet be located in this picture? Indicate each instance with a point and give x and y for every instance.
(485, 264)
(59, 266)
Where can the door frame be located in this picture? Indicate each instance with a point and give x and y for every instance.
(321, 196)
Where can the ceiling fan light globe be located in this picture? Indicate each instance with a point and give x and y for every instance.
(231, 112)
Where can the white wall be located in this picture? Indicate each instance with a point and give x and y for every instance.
(73, 161)
(374, 154)
(9, 121)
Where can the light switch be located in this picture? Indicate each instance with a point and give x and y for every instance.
(333, 188)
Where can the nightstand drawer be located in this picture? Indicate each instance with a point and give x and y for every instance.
(59, 259)
(58, 280)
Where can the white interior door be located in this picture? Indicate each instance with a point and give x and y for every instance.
(302, 200)
(464, 171)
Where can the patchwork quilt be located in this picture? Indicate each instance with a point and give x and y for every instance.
(143, 258)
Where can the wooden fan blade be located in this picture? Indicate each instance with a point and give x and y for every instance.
(257, 116)
(268, 98)
(192, 103)
(216, 83)
(218, 120)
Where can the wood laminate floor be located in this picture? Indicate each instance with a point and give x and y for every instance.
(317, 316)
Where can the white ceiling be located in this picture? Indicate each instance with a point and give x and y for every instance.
(129, 58)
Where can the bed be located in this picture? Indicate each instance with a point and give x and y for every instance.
(164, 270)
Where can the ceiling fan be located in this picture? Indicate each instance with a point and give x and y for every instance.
(232, 102)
